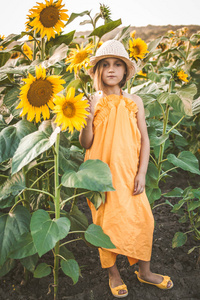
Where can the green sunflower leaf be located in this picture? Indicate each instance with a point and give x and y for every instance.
(11, 136)
(92, 175)
(153, 194)
(74, 16)
(7, 267)
(30, 262)
(179, 239)
(10, 188)
(71, 268)
(4, 57)
(47, 232)
(30, 147)
(186, 161)
(12, 226)
(23, 247)
(95, 236)
(101, 30)
(42, 270)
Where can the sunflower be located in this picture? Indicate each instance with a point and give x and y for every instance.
(47, 18)
(138, 48)
(2, 37)
(182, 76)
(27, 51)
(71, 110)
(15, 55)
(79, 57)
(141, 73)
(100, 43)
(37, 94)
(171, 32)
(132, 34)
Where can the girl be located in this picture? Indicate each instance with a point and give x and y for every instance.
(116, 133)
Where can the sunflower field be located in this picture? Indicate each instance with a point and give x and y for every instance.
(44, 90)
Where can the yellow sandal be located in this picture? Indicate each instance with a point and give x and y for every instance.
(115, 290)
(162, 285)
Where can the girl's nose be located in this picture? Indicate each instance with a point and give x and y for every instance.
(110, 69)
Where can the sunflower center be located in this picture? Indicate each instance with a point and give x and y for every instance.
(136, 50)
(69, 109)
(40, 92)
(80, 56)
(49, 16)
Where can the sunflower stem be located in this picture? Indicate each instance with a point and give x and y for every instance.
(42, 48)
(57, 213)
(34, 45)
(162, 146)
(26, 204)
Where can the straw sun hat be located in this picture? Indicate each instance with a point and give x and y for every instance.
(112, 48)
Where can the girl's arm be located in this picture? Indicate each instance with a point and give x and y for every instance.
(139, 183)
(86, 134)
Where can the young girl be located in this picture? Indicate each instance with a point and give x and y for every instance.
(116, 133)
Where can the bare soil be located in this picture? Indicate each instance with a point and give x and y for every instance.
(183, 268)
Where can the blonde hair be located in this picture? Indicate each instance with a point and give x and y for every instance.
(98, 82)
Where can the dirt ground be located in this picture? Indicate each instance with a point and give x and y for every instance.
(183, 268)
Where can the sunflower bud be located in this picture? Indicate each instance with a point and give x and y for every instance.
(105, 13)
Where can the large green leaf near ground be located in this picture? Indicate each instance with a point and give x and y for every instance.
(47, 232)
(92, 175)
(95, 236)
(31, 147)
(186, 161)
(10, 138)
(12, 226)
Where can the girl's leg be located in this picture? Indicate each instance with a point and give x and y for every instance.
(146, 274)
(108, 261)
(115, 278)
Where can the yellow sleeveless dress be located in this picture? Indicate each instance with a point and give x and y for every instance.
(125, 218)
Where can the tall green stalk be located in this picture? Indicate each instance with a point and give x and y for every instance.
(42, 48)
(162, 146)
(57, 213)
(34, 45)
(26, 203)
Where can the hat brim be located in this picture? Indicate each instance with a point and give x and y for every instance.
(131, 65)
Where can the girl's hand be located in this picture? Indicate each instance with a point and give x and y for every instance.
(139, 184)
(93, 99)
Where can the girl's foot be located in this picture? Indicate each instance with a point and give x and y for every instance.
(116, 282)
(155, 279)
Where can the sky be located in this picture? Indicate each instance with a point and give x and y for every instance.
(135, 13)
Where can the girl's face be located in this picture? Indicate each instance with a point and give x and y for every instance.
(113, 70)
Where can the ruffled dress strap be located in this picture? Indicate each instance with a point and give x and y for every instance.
(107, 103)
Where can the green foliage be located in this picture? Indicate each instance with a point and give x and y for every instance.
(93, 175)
(42, 270)
(71, 268)
(12, 226)
(30, 147)
(188, 210)
(11, 136)
(47, 232)
(95, 236)
(101, 30)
